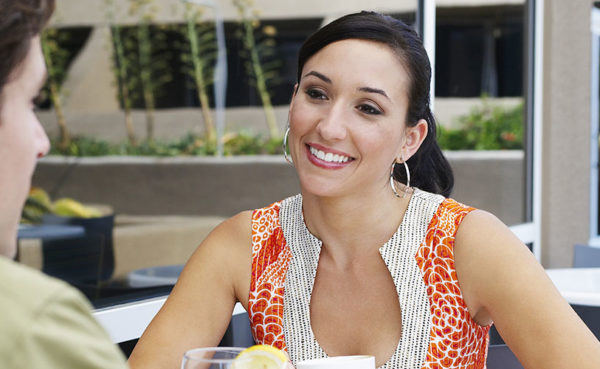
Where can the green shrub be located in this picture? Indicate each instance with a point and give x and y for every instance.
(486, 127)
(189, 145)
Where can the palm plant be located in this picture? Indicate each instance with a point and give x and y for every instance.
(56, 63)
(153, 72)
(120, 70)
(199, 55)
(260, 64)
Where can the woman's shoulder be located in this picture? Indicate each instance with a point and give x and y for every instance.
(234, 230)
(238, 228)
(276, 206)
(468, 224)
(479, 223)
(483, 239)
(439, 211)
(472, 225)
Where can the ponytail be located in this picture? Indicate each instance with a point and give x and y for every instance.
(429, 169)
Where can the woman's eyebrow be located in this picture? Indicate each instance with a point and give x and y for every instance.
(318, 75)
(363, 89)
(373, 90)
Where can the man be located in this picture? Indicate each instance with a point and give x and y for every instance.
(44, 323)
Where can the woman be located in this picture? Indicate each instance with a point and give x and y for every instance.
(371, 258)
(44, 322)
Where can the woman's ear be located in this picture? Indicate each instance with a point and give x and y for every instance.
(415, 136)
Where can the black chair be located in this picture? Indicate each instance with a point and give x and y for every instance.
(86, 262)
(501, 357)
(585, 256)
(590, 316)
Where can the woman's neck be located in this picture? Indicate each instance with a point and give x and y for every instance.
(353, 226)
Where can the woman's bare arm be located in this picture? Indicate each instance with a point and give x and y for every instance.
(198, 310)
(502, 281)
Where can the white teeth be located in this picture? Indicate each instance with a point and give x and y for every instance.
(328, 157)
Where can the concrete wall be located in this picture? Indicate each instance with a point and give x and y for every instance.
(166, 207)
(566, 133)
(223, 187)
(180, 186)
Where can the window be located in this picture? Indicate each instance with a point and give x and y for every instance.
(595, 123)
(482, 51)
(487, 64)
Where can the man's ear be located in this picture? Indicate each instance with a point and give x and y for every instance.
(414, 138)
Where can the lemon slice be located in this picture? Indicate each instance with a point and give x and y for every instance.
(260, 357)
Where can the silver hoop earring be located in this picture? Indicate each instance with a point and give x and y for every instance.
(285, 148)
(407, 188)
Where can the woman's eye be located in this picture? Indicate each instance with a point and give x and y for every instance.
(315, 94)
(369, 109)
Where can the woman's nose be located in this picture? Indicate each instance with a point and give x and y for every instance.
(332, 126)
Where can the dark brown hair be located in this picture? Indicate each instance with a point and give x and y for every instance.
(430, 171)
(20, 20)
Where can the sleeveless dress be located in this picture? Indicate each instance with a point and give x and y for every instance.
(437, 330)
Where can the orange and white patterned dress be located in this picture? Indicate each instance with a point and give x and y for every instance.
(437, 330)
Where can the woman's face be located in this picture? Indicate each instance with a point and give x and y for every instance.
(347, 119)
(22, 141)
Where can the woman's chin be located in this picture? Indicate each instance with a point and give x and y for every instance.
(319, 188)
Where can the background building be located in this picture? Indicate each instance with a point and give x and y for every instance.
(539, 54)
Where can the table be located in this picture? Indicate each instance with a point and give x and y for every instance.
(50, 231)
(579, 286)
(155, 276)
(30, 239)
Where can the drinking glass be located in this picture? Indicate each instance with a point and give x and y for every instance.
(210, 357)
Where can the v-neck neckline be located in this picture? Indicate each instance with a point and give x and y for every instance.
(397, 253)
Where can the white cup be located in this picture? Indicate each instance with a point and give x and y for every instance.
(339, 362)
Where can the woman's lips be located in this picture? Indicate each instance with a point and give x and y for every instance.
(326, 158)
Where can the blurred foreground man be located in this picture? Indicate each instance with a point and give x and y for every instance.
(44, 322)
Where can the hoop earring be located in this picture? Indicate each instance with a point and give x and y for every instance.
(406, 189)
(288, 158)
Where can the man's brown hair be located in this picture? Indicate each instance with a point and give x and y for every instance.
(20, 20)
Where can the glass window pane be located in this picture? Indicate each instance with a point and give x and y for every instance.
(480, 104)
(117, 87)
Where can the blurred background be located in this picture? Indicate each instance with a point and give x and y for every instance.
(167, 116)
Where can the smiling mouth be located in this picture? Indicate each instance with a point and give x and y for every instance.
(329, 157)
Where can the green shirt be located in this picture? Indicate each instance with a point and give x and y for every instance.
(45, 323)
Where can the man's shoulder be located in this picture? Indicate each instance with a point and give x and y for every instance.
(25, 288)
(49, 322)
(24, 295)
